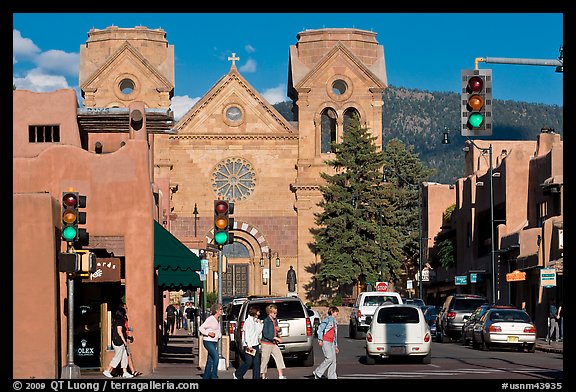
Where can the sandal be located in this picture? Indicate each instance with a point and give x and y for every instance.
(136, 373)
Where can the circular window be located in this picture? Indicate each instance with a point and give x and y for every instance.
(127, 86)
(339, 87)
(234, 179)
(233, 115)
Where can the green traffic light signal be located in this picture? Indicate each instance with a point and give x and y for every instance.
(69, 233)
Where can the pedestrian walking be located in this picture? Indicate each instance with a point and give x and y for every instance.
(210, 330)
(270, 340)
(328, 340)
(553, 318)
(119, 343)
(171, 318)
(252, 334)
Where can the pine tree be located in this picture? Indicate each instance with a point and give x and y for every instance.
(348, 238)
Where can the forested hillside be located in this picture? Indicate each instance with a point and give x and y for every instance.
(419, 117)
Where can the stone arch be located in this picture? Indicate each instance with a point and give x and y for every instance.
(249, 236)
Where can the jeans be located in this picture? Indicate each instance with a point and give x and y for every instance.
(329, 363)
(251, 362)
(211, 368)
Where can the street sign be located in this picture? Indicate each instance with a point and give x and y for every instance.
(426, 274)
(409, 284)
(460, 280)
(473, 277)
(381, 286)
(547, 277)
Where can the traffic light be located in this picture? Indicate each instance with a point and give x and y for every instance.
(72, 216)
(476, 102)
(223, 222)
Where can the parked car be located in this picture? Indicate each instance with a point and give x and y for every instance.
(431, 317)
(364, 307)
(314, 320)
(451, 316)
(398, 331)
(293, 321)
(505, 328)
(230, 315)
(470, 321)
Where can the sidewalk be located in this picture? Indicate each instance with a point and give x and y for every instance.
(553, 347)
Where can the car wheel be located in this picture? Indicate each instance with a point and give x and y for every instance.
(485, 345)
(426, 359)
(308, 360)
(370, 360)
(351, 331)
(531, 347)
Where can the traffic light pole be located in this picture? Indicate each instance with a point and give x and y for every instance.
(70, 370)
(221, 360)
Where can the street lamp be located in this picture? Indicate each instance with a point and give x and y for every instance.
(270, 268)
(446, 140)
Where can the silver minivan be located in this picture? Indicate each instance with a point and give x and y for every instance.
(294, 323)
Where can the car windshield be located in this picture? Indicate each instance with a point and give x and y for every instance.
(377, 300)
(468, 304)
(398, 315)
(510, 315)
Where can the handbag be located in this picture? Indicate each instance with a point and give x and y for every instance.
(250, 351)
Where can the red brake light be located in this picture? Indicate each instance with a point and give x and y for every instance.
(427, 337)
(369, 337)
(494, 328)
(451, 315)
(530, 329)
(308, 327)
(359, 314)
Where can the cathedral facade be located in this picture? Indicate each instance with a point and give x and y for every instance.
(233, 144)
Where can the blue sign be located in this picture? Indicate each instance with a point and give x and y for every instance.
(460, 280)
(473, 277)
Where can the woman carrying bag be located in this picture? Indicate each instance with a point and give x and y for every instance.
(252, 333)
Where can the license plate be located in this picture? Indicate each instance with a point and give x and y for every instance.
(512, 339)
(397, 350)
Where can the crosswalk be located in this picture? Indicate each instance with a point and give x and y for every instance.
(443, 373)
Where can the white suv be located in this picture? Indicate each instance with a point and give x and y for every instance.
(364, 307)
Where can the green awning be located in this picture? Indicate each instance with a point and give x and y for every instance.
(176, 264)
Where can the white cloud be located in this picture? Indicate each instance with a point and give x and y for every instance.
(58, 61)
(38, 81)
(249, 49)
(23, 48)
(181, 104)
(276, 94)
(249, 67)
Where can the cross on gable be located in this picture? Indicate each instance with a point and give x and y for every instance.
(233, 59)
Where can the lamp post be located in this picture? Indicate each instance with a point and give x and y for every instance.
(446, 140)
(270, 268)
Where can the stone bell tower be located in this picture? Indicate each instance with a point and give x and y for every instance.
(334, 73)
(122, 65)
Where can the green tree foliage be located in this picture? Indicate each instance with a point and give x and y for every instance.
(404, 172)
(445, 255)
(348, 234)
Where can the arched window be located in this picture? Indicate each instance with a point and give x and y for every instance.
(235, 250)
(349, 114)
(327, 129)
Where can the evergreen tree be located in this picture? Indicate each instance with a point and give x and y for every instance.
(348, 236)
(404, 172)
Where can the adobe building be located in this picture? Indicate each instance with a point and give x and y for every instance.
(527, 218)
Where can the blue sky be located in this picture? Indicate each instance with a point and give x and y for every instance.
(425, 51)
